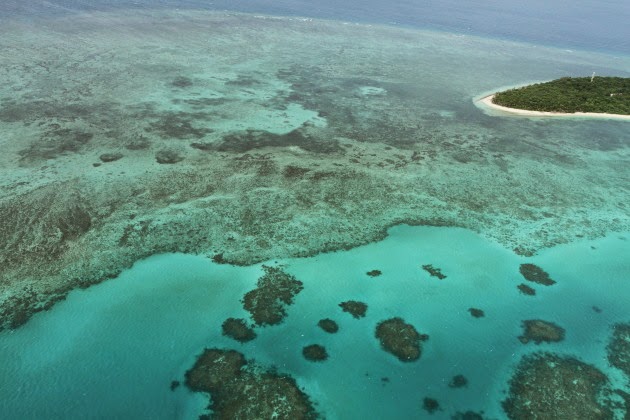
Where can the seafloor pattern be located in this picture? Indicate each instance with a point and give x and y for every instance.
(249, 139)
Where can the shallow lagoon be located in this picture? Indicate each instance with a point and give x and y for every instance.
(113, 350)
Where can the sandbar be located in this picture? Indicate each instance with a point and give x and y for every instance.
(487, 103)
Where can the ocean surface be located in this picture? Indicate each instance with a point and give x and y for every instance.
(113, 349)
(582, 24)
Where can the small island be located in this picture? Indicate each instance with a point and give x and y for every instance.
(596, 96)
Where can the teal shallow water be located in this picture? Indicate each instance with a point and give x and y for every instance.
(111, 351)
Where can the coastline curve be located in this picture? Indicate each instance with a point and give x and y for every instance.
(489, 108)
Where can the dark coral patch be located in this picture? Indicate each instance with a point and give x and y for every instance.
(431, 405)
(458, 381)
(168, 157)
(244, 141)
(434, 272)
(241, 390)
(618, 349)
(355, 308)
(202, 146)
(476, 313)
(328, 325)
(550, 386)
(467, 415)
(181, 82)
(536, 274)
(138, 143)
(179, 125)
(526, 290)
(315, 353)
(55, 143)
(539, 331)
(238, 329)
(213, 369)
(110, 157)
(374, 273)
(291, 171)
(400, 339)
(274, 290)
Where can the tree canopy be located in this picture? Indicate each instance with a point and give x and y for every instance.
(609, 95)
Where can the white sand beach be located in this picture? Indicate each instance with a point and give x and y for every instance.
(487, 103)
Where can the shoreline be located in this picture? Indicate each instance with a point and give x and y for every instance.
(487, 103)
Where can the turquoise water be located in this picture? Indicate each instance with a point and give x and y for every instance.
(111, 351)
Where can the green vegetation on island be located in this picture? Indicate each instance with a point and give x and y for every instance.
(609, 95)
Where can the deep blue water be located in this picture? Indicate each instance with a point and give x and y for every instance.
(582, 24)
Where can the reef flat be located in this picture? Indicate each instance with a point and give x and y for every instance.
(247, 138)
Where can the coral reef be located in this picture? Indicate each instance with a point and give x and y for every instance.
(476, 313)
(468, 415)
(181, 82)
(242, 390)
(168, 157)
(355, 308)
(536, 274)
(400, 339)
(275, 290)
(138, 142)
(551, 386)
(177, 125)
(248, 182)
(110, 157)
(618, 349)
(292, 171)
(433, 271)
(458, 381)
(431, 405)
(238, 329)
(526, 290)
(328, 325)
(315, 353)
(539, 331)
